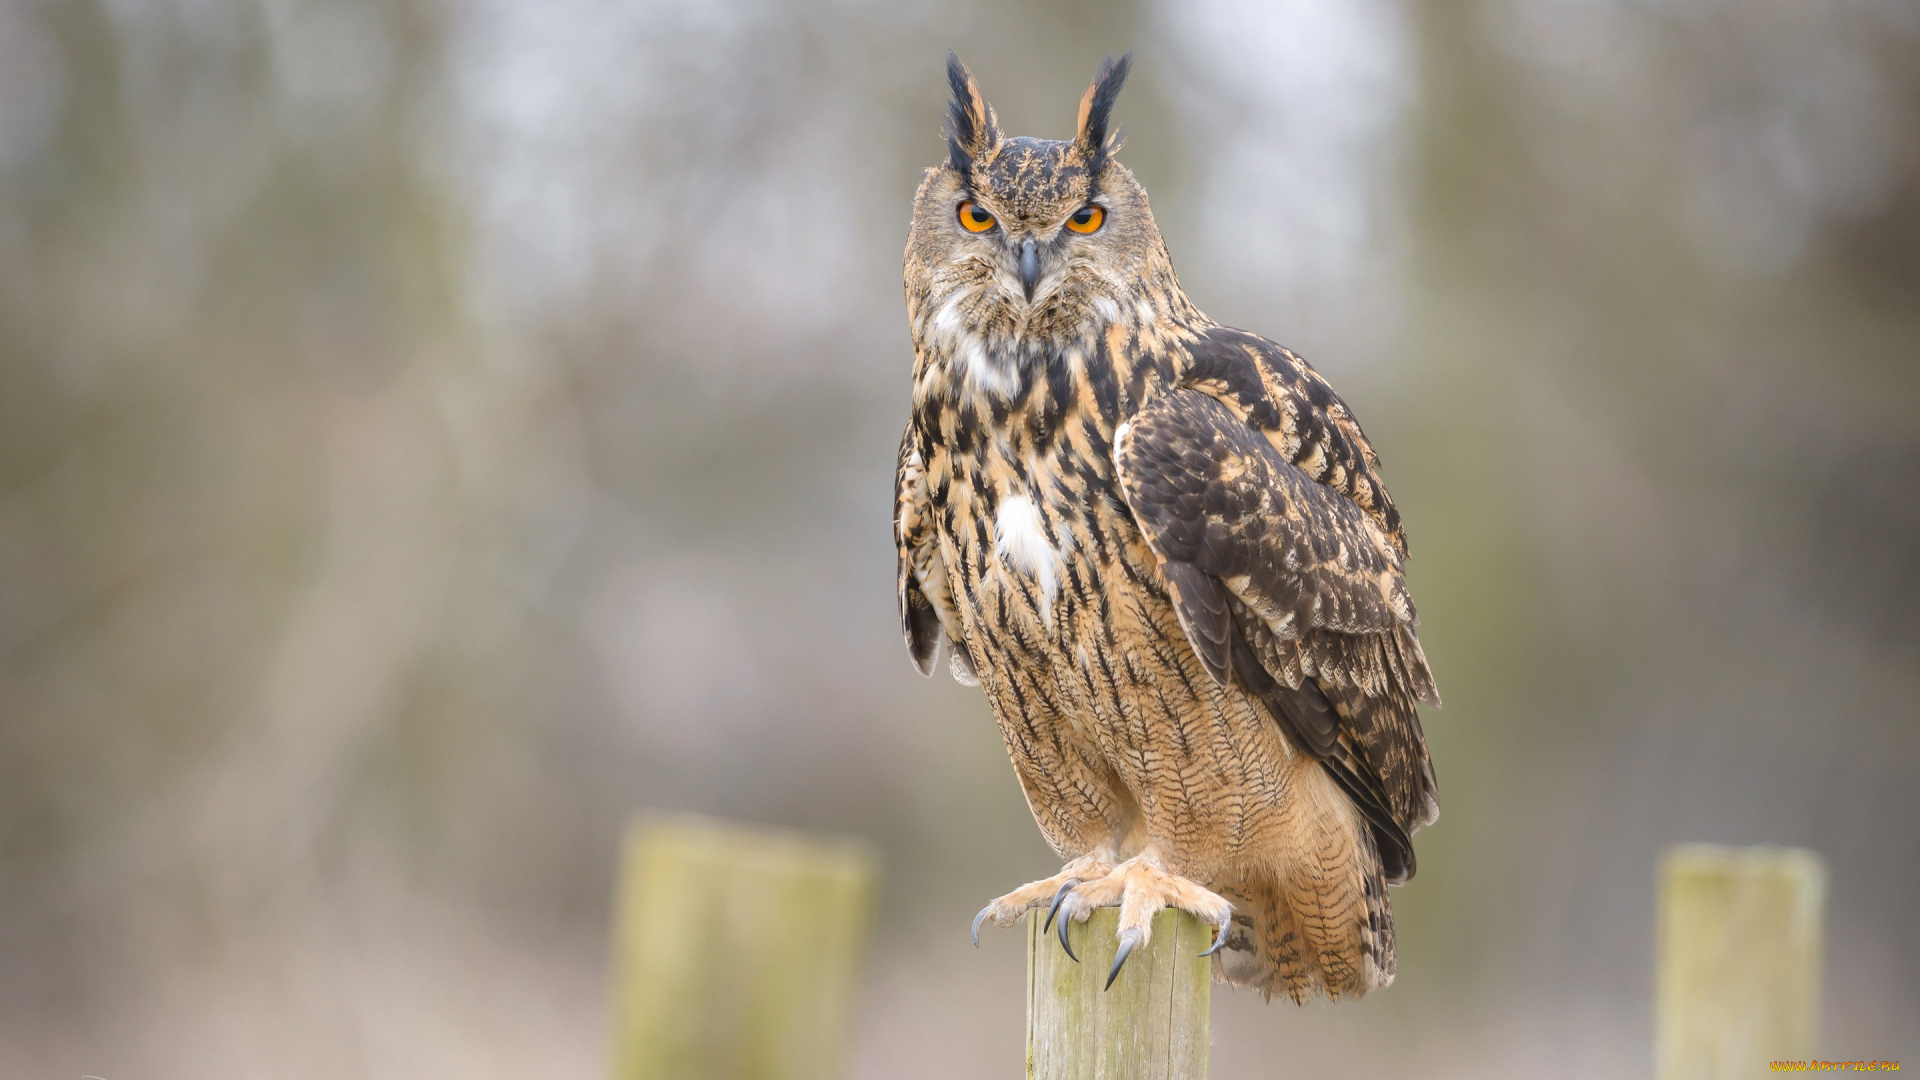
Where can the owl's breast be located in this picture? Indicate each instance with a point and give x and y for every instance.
(1032, 522)
(1037, 538)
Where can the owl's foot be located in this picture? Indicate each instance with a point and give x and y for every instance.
(1047, 892)
(1140, 888)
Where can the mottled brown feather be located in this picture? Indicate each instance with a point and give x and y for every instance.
(1308, 564)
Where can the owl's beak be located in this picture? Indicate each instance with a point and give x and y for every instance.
(1029, 267)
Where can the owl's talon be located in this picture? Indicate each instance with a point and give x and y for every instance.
(1063, 941)
(1128, 942)
(1220, 941)
(977, 920)
(1065, 888)
(1050, 893)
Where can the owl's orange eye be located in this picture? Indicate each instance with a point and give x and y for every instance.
(1086, 219)
(973, 218)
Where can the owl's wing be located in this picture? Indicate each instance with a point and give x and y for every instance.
(1286, 586)
(926, 606)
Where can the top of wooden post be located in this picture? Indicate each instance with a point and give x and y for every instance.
(737, 951)
(1152, 1023)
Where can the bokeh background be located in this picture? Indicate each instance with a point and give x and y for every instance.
(431, 432)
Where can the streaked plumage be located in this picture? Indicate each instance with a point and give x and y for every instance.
(1163, 549)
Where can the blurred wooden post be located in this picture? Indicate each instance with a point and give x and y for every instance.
(736, 952)
(1739, 960)
(1151, 1026)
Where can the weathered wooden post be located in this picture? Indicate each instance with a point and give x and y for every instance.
(1739, 960)
(736, 952)
(1152, 1024)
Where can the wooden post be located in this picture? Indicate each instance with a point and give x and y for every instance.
(1152, 1025)
(1739, 960)
(736, 952)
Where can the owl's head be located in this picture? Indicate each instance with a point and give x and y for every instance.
(1026, 239)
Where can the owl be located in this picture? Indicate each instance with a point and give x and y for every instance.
(1163, 550)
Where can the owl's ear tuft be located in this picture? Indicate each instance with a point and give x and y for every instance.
(973, 133)
(1096, 108)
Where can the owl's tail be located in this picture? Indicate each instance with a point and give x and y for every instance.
(1317, 919)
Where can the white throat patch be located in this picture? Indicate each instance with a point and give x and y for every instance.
(985, 372)
(979, 367)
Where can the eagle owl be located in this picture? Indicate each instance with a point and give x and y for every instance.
(1163, 549)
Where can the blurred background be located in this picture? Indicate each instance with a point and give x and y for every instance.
(431, 432)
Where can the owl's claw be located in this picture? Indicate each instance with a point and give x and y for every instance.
(1140, 887)
(1055, 893)
(977, 920)
(1065, 888)
(1219, 942)
(1129, 941)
